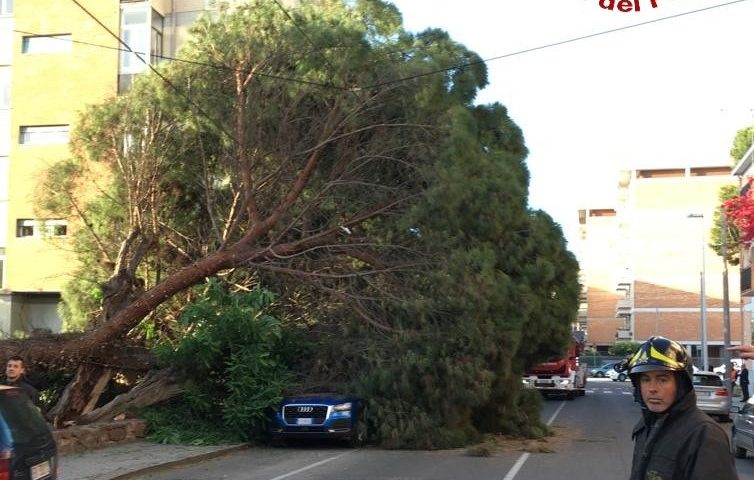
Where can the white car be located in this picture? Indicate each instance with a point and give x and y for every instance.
(617, 376)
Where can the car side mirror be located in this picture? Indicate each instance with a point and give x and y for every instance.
(735, 409)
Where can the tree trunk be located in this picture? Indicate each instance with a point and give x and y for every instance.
(158, 386)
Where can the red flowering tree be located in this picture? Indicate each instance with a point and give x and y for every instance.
(740, 212)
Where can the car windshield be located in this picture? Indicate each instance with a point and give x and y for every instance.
(707, 381)
(20, 421)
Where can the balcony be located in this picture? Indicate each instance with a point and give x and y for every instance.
(623, 334)
(623, 307)
(746, 290)
(624, 304)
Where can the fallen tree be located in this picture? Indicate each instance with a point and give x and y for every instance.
(356, 170)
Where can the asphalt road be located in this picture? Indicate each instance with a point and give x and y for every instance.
(593, 440)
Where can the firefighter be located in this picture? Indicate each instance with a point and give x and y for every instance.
(673, 439)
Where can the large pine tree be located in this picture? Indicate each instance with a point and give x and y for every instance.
(338, 157)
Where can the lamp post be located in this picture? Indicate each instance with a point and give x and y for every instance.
(726, 301)
(705, 361)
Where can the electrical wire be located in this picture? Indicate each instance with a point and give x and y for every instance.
(401, 79)
(166, 80)
(309, 39)
(189, 62)
(551, 45)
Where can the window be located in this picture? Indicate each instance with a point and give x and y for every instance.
(134, 33)
(6, 7)
(142, 30)
(56, 228)
(27, 227)
(44, 134)
(155, 40)
(708, 380)
(46, 44)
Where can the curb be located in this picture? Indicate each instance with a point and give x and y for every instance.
(182, 462)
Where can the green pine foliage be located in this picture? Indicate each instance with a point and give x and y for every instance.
(501, 296)
(430, 312)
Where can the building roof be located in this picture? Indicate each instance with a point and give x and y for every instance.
(744, 164)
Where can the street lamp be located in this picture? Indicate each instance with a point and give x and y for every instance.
(726, 300)
(705, 361)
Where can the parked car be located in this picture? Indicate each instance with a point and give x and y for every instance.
(28, 448)
(616, 376)
(318, 415)
(711, 395)
(602, 371)
(742, 433)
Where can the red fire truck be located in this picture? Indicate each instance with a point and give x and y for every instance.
(563, 375)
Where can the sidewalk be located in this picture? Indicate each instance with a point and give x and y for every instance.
(133, 459)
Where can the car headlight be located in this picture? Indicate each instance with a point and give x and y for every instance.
(342, 407)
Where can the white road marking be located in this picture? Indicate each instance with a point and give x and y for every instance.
(516, 466)
(522, 459)
(309, 467)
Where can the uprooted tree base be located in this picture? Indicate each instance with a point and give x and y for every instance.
(91, 371)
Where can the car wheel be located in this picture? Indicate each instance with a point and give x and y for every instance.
(737, 451)
(600, 374)
(622, 377)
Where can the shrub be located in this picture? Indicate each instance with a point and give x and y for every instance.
(230, 350)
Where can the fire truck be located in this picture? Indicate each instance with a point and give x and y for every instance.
(562, 376)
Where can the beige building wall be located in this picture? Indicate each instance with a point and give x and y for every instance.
(659, 250)
(49, 88)
(599, 242)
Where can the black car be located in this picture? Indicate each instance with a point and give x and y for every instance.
(318, 415)
(27, 448)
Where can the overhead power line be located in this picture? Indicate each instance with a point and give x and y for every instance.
(126, 48)
(166, 80)
(553, 44)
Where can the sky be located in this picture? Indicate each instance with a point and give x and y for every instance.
(671, 92)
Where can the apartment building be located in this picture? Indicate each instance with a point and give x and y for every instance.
(744, 171)
(56, 58)
(646, 260)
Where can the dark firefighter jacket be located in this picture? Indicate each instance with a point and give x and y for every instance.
(682, 444)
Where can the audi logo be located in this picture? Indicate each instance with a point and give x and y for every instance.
(305, 409)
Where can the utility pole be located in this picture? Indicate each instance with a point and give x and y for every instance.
(726, 301)
(703, 295)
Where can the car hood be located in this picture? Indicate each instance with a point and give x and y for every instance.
(321, 398)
